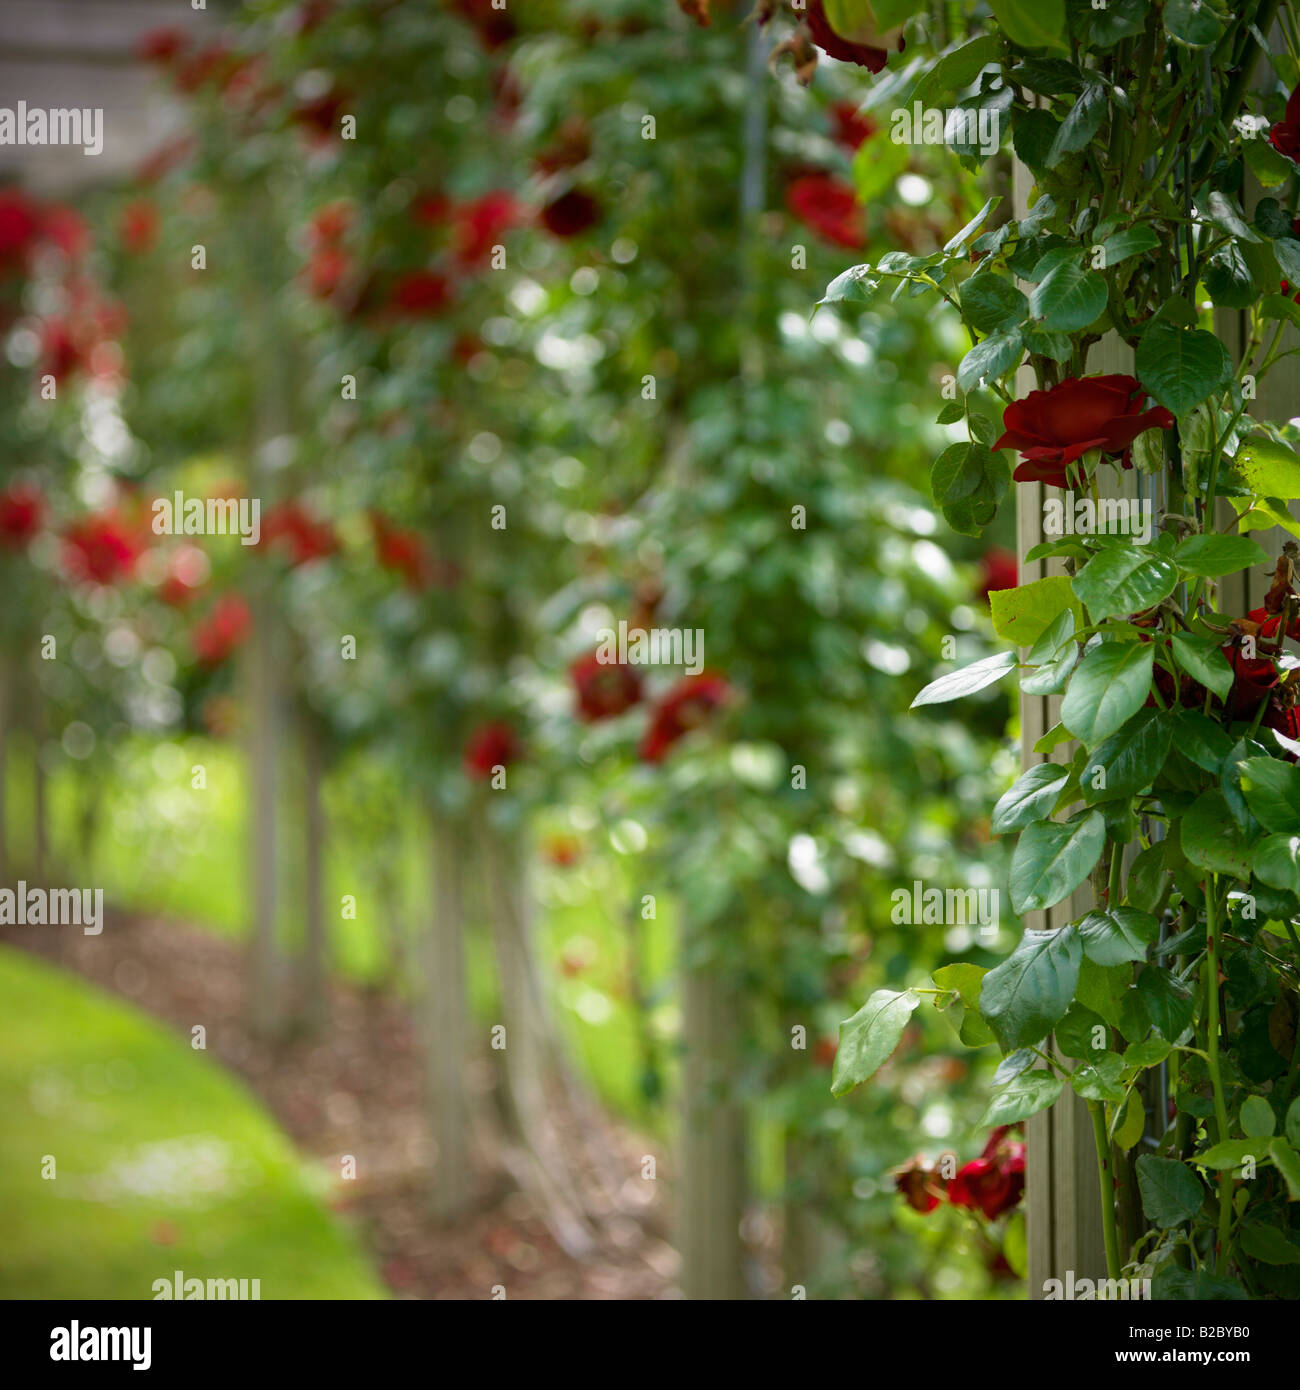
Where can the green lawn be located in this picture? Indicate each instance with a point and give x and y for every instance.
(162, 1161)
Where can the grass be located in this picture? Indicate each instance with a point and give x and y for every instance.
(160, 1160)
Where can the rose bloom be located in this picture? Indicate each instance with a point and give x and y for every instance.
(161, 45)
(326, 271)
(688, 704)
(420, 293)
(22, 513)
(481, 224)
(1284, 136)
(848, 128)
(829, 206)
(101, 549)
(604, 688)
(919, 1183)
(571, 214)
(20, 225)
(331, 222)
(224, 629)
(841, 49)
(982, 1185)
(1054, 428)
(404, 552)
(998, 570)
(138, 226)
(494, 744)
(495, 26)
(296, 534)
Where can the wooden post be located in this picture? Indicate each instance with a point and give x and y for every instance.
(711, 1178)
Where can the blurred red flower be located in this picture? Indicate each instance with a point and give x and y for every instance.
(489, 746)
(829, 206)
(404, 552)
(20, 225)
(222, 630)
(161, 45)
(571, 214)
(919, 1183)
(420, 293)
(326, 271)
(138, 226)
(482, 223)
(994, 1182)
(687, 705)
(101, 548)
(1284, 135)
(604, 688)
(294, 533)
(848, 128)
(495, 25)
(22, 514)
(999, 569)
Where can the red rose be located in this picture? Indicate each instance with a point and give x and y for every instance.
(835, 46)
(326, 271)
(101, 549)
(480, 225)
(331, 222)
(688, 704)
(421, 293)
(404, 552)
(999, 569)
(491, 745)
(20, 225)
(22, 513)
(604, 688)
(228, 624)
(571, 214)
(1054, 428)
(160, 45)
(1284, 136)
(920, 1185)
(848, 128)
(829, 206)
(982, 1185)
(294, 533)
(495, 26)
(138, 227)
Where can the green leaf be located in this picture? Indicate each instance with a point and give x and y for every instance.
(1230, 1153)
(1166, 1000)
(1257, 1118)
(1021, 1097)
(1272, 790)
(1081, 123)
(1269, 1246)
(957, 243)
(990, 359)
(1269, 167)
(1124, 579)
(1192, 23)
(1116, 20)
(1146, 878)
(1108, 688)
(1203, 660)
(1114, 935)
(1287, 1160)
(1133, 1125)
(1212, 839)
(955, 71)
(868, 1038)
(1287, 251)
(1212, 556)
(991, 302)
(1099, 1079)
(1030, 797)
(1228, 279)
(967, 680)
(1023, 998)
(1181, 367)
(1129, 241)
(1032, 23)
(1277, 862)
(1069, 298)
(1201, 739)
(1051, 860)
(1171, 1191)
(1149, 1053)
(1023, 614)
(1267, 468)
(1222, 211)
(1128, 760)
(857, 285)
(1292, 1122)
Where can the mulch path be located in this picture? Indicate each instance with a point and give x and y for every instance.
(358, 1088)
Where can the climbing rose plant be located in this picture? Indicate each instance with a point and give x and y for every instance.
(1160, 146)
